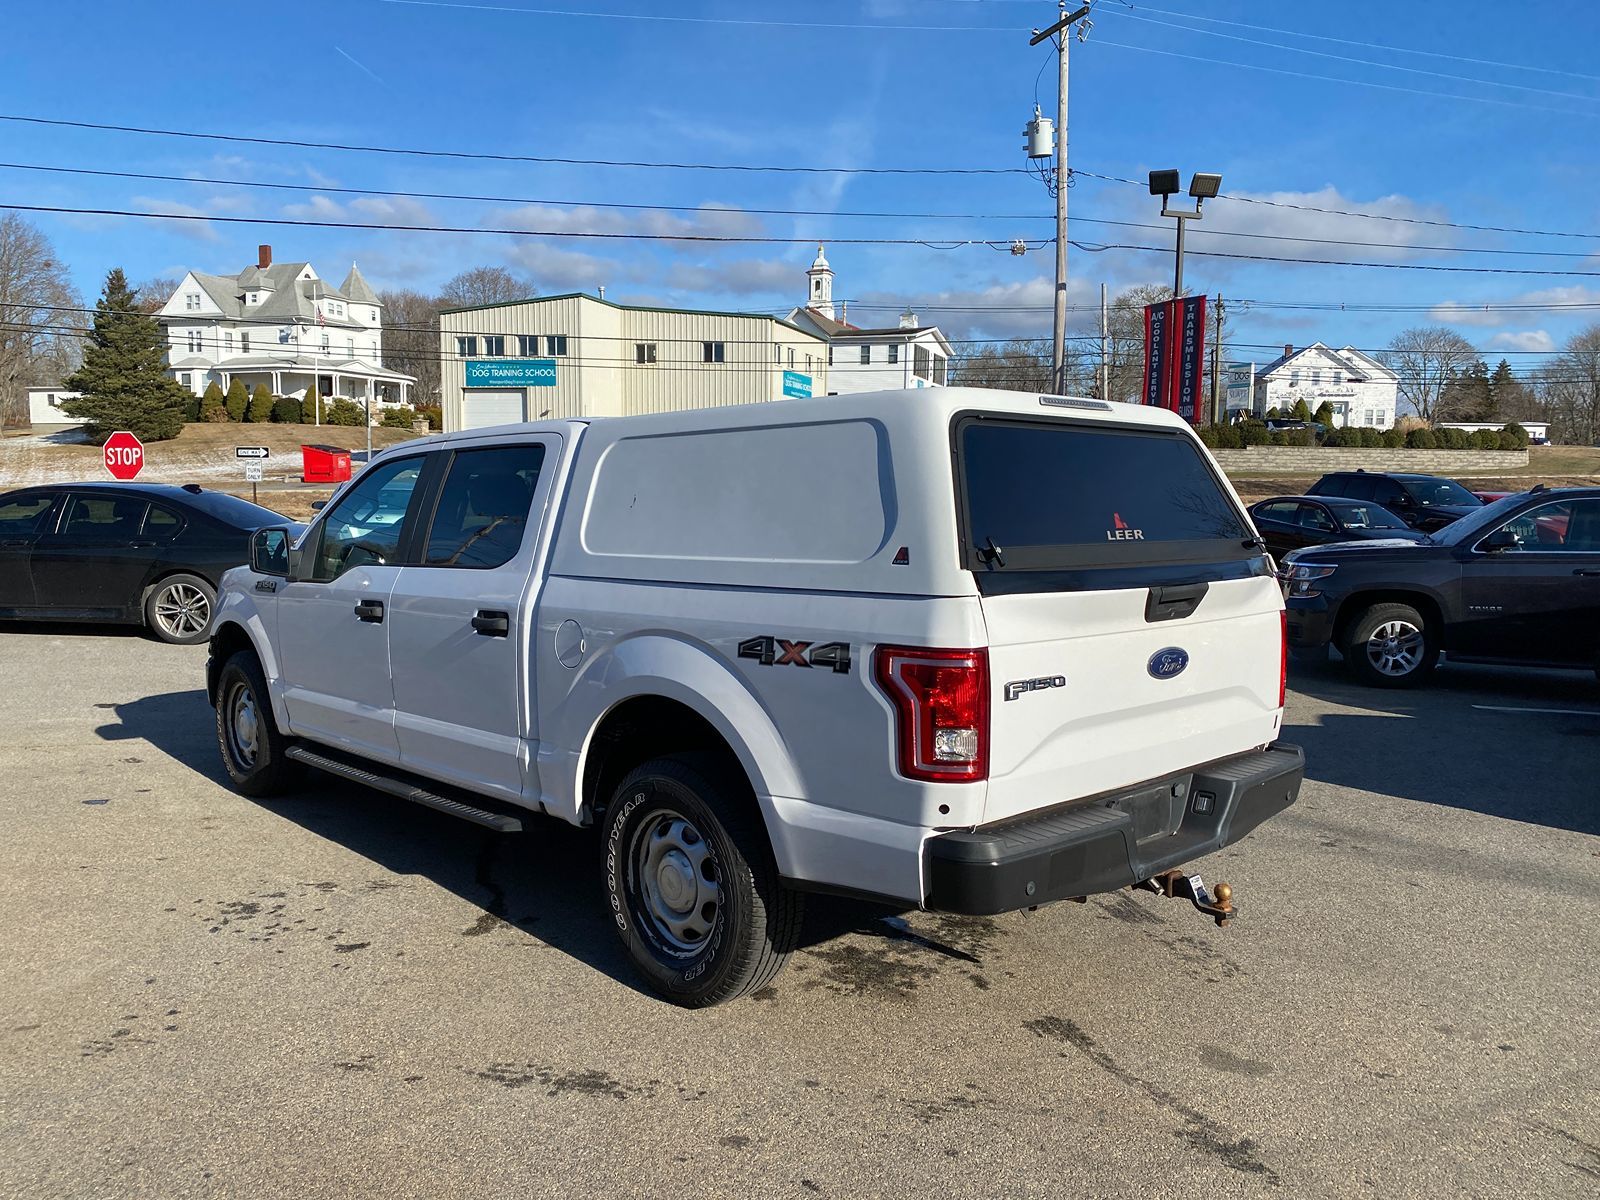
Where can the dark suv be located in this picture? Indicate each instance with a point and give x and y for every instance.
(1514, 581)
(1424, 502)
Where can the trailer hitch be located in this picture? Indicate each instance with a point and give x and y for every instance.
(1193, 889)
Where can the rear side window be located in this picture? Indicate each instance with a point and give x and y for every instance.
(1283, 510)
(25, 515)
(162, 523)
(1047, 495)
(103, 518)
(483, 509)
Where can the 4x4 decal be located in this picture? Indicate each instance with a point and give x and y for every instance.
(780, 652)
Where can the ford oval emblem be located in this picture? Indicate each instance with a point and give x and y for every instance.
(1164, 664)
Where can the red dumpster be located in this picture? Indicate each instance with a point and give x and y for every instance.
(324, 464)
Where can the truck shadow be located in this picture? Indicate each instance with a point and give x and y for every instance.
(1505, 742)
(545, 881)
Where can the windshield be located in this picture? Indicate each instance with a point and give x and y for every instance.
(1430, 493)
(1475, 523)
(1050, 495)
(1365, 516)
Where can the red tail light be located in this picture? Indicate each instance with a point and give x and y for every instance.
(941, 701)
(1283, 661)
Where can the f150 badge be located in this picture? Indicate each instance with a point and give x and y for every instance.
(1021, 687)
(1164, 664)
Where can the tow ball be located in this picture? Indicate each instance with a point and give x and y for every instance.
(1193, 889)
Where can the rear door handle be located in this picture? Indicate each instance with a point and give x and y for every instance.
(1174, 602)
(1587, 571)
(369, 610)
(491, 624)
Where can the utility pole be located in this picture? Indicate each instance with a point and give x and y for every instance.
(1105, 363)
(1058, 355)
(1216, 364)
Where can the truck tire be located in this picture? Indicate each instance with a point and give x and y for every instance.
(179, 608)
(1390, 645)
(248, 736)
(691, 883)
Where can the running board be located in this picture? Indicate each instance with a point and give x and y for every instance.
(404, 790)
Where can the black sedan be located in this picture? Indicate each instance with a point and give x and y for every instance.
(1515, 581)
(1293, 522)
(122, 553)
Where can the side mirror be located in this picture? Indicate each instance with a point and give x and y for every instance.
(269, 551)
(318, 505)
(1499, 541)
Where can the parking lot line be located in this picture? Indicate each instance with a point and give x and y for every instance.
(1549, 712)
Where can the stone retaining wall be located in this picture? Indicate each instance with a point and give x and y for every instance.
(1316, 460)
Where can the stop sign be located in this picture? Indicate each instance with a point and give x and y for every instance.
(124, 455)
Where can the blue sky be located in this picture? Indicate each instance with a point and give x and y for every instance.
(884, 83)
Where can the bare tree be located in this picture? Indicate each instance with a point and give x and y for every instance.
(411, 339)
(154, 293)
(38, 316)
(1426, 359)
(1021, 365)
(484, 285)
(1569, 389)
(1125, 341)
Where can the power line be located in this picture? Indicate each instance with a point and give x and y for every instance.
(1233, 37)
(1366, 83)
(481, 156)
(616, 16)
(1097, 248)
(927, 243)
(717, 210)
(1368, 216)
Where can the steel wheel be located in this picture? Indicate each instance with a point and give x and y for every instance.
(1395, 648)
(675, 882)
(242, 725)
(181, 611)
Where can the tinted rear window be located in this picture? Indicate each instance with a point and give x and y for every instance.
(236, 512)
(1067, 494)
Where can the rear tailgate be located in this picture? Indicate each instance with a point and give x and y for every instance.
(1134, 626)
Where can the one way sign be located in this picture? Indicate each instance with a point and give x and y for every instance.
(250, 451)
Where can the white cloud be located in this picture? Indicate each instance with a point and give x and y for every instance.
(1528, 308)
(555, 269)
(1395, 240)
(1453, 313)
(1530, 340)
(202, 231)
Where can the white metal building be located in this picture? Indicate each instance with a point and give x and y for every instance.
(576, 355)
(908, 355)
(1538, 431)
(44, 406)
(1362, 391)
(281, 325)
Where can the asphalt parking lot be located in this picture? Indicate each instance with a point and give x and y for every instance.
(340, 995)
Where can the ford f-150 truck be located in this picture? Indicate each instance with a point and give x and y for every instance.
(956, 649)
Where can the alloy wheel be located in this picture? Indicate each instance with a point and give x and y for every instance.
(182, 610)
(1395, 648)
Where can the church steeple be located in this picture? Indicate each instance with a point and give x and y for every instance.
(819, 286)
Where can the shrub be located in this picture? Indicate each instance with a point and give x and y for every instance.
(286, 410)
(1299, 411)
(340, 411)
(1302, 437)
(213, 403)
(238, 401)
(191, 406)
(1518, 435)
(401, 415)
(1209, 436)
(1485, 439)
(1278, 437)
(1324, 414)
(1452, 439)
(433, 414)
(1508, 441)
(1252, 433)
(1274, 411)
(1230, 437)
(260, 405)
(1394, 439)
(310, 403)
(1421, 439)
(1371, 438)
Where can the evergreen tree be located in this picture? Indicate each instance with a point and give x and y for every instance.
(213, 405)
(123, 380)
(309, 404)
(1465, 394)
(238, 400)
(260, 409)
(1300, 411)
(1504, 390)
(1324, 414)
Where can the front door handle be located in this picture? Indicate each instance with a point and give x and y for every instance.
(1587, 571)
(369, 610)
(491, 623)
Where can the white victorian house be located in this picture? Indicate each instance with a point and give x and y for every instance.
(281, 325)
(1361, 389)
(909, 355)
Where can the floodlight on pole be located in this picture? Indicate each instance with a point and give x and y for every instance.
(1164, 183)
(1203, 186)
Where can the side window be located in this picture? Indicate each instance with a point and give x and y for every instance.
(1313, 516)
(1569, 525)
(103, 518)
(162, 523)
(1281, 511)
(483, 508)
(1391, 495)
(24, 516)
(364, 527)
(1362, 489)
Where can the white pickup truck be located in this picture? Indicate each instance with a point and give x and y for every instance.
(956, 649)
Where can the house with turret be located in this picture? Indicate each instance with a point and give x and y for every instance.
(282, 325)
